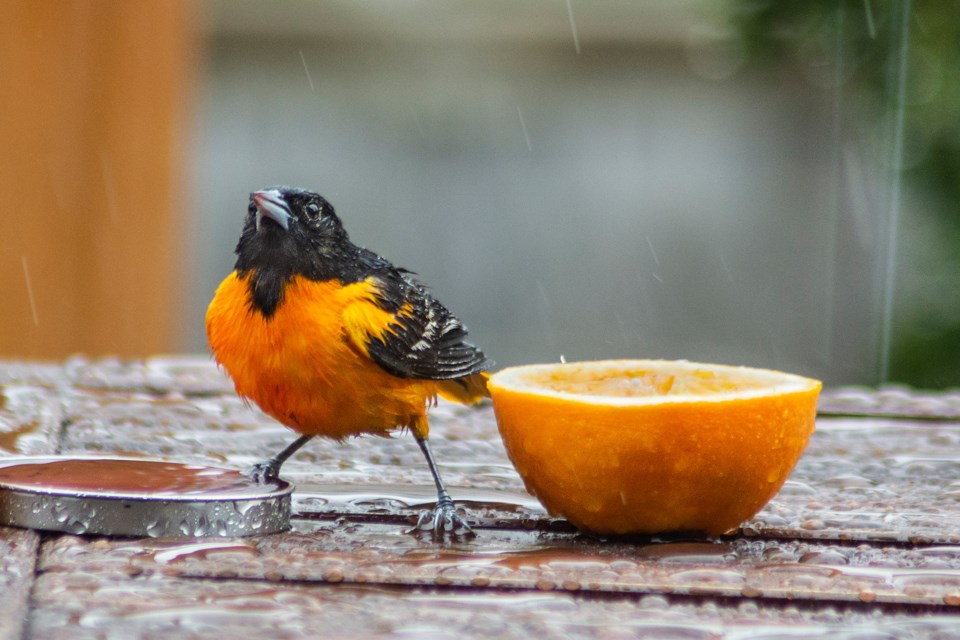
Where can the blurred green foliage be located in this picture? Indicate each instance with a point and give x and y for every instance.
(854, 46)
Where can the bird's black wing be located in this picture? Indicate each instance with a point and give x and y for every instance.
(424, 340)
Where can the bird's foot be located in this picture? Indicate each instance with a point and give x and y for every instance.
(443, 520)
(266, 472)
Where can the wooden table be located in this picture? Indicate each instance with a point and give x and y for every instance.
(863, 541)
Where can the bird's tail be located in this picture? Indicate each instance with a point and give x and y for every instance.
(469, 390)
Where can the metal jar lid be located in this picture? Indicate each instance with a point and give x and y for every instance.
(138, 497)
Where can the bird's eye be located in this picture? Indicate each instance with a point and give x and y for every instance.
(313, 210)
(251, 208)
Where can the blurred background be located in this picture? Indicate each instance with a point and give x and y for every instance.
(741, 181)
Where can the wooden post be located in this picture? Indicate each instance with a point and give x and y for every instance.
(94, 96)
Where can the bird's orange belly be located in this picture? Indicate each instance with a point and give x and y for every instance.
(298, 367)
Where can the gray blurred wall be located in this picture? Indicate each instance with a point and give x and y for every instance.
(638, 198)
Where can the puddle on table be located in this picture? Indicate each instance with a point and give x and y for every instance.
(688, 552)
(215, 550)
(397, 499)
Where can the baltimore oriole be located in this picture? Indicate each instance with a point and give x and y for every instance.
(330, 339)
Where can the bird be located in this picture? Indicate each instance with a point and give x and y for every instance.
(331, 339)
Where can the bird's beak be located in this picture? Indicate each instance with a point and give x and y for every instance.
(270, 204)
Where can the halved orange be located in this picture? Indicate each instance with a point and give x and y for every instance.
(648, 446)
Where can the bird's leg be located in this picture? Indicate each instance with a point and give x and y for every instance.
(444, 518)
(269, 470)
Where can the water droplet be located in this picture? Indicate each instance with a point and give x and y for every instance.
(244, 507)
(77, 526)
(61, 511)
(202, 526)
(155, 528)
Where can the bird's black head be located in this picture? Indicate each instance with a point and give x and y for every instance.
(289, 232)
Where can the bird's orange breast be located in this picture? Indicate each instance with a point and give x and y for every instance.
(300, 366)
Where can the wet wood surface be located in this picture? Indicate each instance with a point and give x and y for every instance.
(863, 540)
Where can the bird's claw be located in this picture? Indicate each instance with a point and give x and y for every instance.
(264, 473)
(441, 521)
